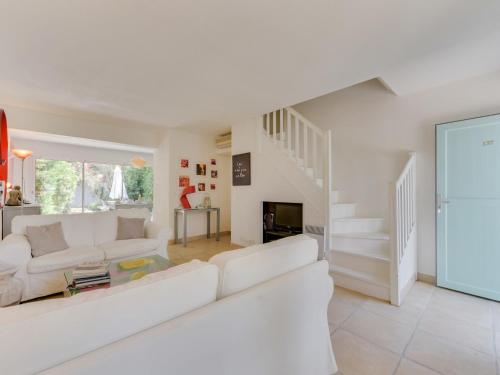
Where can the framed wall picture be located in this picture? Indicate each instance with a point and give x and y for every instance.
(184, 163)
(183, 181)
(201, 169)
(212, 186)
(241, 169)
(213, 174)
(213, 162)
(201, 186)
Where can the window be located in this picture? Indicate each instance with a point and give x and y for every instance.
(70, 187)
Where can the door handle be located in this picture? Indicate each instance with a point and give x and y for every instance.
(440, 201)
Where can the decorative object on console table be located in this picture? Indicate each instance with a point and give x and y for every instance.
(23, 155)
(241, 169)
(184, 201)
(4, 151)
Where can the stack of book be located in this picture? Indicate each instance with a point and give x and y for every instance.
(91, 274)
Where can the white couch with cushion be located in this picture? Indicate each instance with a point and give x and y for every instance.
(90, 237)
(181, 321)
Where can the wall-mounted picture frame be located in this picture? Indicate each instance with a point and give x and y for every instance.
(212, 186)
(201, 169)
(213, 174)
(184, 163)
(201, 186)
(183, 181)
(213, 162)
(242, 169)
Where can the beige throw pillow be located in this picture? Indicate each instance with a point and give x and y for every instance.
(130, 228)
(46, 239)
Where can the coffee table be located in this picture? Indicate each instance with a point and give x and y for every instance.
(121, 276)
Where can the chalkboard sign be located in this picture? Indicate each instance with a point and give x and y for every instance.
(241, 169)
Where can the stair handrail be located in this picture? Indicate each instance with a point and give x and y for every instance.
(403, 222)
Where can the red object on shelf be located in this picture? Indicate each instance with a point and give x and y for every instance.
(4, 150)
(184, 201)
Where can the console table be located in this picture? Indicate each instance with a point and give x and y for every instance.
(185, 212)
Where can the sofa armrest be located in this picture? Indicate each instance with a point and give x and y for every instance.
(159, 232)
(15, 249)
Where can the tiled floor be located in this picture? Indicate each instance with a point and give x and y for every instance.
(436, 331)
(199, 249)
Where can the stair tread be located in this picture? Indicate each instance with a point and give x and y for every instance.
(382, 255)
(357, 218)
(368, 236)
(360, 276)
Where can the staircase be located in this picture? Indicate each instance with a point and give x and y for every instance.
(368, 255)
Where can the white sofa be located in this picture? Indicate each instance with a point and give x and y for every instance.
(196, 318)
(90, 237)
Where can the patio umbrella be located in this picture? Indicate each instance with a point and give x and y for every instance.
(118, 189)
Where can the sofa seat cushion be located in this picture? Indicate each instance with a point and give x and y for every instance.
(127, 248)
(65, 259)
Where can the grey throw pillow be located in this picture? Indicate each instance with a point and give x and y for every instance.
(46, 239)
(130, 228)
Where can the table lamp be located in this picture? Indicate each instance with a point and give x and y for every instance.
(23, 155)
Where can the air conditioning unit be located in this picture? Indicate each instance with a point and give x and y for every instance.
(223, 143)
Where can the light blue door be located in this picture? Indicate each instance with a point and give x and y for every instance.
(468, 206)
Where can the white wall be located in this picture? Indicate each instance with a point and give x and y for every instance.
(267, 184)
(199, 148)
(374, 130)
(58, 151)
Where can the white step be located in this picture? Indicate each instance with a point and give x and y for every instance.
(357, 225)
(375, 268)
(363, 244)
(343, 210)
(360, 282)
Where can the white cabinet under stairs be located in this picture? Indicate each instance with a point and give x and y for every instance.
(371, 255)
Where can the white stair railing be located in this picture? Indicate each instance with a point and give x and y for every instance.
(403, 232)
(309, 147)
(302, 140)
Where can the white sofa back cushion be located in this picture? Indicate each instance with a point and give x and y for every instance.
(77, 228)
(244, 268)
(106, 223)
(50, 332)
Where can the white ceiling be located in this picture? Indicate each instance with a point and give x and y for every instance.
(207, 63)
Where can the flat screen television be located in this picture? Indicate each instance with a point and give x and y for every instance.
(281, 219)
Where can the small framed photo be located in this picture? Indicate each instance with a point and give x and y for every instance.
(201, 169)
(212, 186)
(201, 186)
(184, 163)
(183, 181)
(213, 162)
(214, 174)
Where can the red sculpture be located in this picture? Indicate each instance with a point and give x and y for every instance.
(184, 201)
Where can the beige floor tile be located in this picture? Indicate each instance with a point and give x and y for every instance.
(406, 314)
(419, 295)
(348, 297)
(447, 357)
(356, 356)
(379, 330)
(460, 306)
(407, 367)
(338, 312)
(459, 331)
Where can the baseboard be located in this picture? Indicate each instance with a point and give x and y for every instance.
(429, 279)
(409, 284)
(200, 237)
